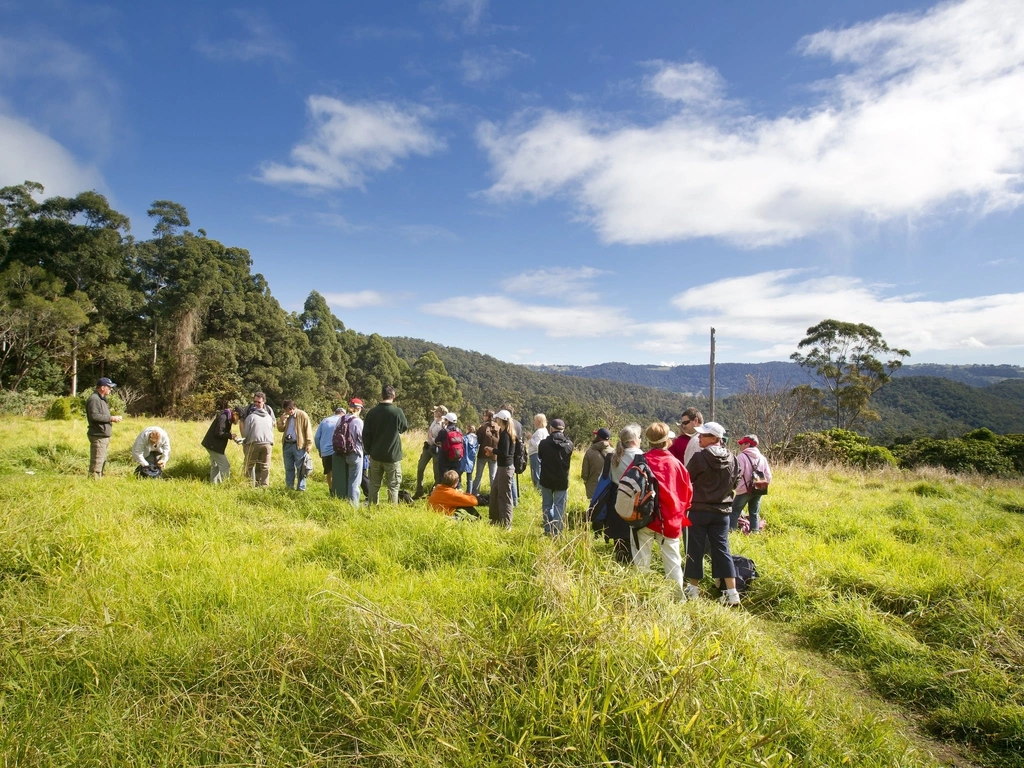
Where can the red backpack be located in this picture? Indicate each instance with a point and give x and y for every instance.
(452, 448)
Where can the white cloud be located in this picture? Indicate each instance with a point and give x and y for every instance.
(927, 117)
(348, 141)
(770, 313)
(29, 155)
(691, 83)
(356, 299)
(572, 284)
(484, 66)
(472, 12)
(579, 321)
(260, 41)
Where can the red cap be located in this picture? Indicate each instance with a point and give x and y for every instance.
(355, 402)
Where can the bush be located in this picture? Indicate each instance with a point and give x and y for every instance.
(959, 455)
(61, 409)
(842, 446)
(24, 403)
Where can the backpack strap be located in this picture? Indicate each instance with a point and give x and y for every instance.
(607, 471)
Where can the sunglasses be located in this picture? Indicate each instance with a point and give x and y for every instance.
(686, 423)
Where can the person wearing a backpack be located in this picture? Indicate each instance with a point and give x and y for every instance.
(428, 454)
(670, 486)
(755, 475)
(715, 474)
(501, 503)
(347, 442)
(487, 437)
(450, 446)
(555, 452)
(323, 439)
(616, 529)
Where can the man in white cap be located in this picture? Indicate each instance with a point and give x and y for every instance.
(714, 474)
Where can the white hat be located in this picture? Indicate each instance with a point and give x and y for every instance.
(503, 415)
(712, 428)
(451, 417)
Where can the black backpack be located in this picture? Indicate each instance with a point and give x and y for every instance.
(148, 472)
(746, 572)
(519, 458)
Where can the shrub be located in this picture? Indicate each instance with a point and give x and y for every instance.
(843, 446)
(958, 455)
(61, 409)
(24, 403)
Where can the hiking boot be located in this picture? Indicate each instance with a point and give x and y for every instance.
(690, 592)
(730, 598)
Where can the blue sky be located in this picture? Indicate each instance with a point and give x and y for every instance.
(561, 182)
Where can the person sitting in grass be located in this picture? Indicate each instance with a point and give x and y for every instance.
(151, 451)
(445, 498)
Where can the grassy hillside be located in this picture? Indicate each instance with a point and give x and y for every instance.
(175, 623)
(927, 406)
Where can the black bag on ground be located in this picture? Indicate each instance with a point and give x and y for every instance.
(148, 472)
(746, 572)
(520, 461)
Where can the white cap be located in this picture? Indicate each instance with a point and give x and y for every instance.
(712, 428)
(451, 417)
(503, 415)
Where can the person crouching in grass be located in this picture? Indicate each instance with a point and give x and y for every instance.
(445, 498)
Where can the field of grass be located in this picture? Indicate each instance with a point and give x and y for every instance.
(174, 623)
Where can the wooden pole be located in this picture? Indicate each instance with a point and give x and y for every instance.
(712, 375)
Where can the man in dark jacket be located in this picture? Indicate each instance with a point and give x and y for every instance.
(714, 473)
(555, 453)
(97, 413)
(216, 441)
(382, 442)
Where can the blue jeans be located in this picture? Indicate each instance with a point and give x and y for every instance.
(492, 467)
(535, 469)
(346, 476)
(293, 459)
(754, 499)
(553, 507)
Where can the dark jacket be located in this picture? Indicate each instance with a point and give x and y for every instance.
(555, 452)
(714, 473)
(219, 433)
(97, 413)
(504, 452)
(382, 432)
(487, 436)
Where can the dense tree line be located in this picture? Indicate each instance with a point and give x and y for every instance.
(178, 319)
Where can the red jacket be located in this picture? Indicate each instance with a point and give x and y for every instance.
(675, 492)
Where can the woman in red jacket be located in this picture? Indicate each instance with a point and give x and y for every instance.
(674, 497)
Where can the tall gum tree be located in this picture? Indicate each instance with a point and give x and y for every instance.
(852, 361)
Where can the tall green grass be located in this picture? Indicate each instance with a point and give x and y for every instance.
(176, 623)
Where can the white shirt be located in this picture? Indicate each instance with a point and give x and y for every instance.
(142, 447)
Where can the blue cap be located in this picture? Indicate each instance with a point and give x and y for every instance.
(105, 382)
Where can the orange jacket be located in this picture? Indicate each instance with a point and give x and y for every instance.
(446, 499)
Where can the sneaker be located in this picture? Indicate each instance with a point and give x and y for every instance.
(690, 592)
(730, 598)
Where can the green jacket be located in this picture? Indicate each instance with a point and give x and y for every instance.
(97, 413)
(382, 432)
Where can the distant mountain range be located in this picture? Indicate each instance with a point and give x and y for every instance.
(731, 378)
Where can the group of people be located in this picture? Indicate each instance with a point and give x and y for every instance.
(702, 488)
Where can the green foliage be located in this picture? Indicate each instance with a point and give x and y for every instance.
(24, 402)
(426, 385)
(977, 451)
(845, 358)
(841, 446)
(62, 409)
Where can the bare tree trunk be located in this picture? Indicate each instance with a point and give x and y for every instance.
(74, 367)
